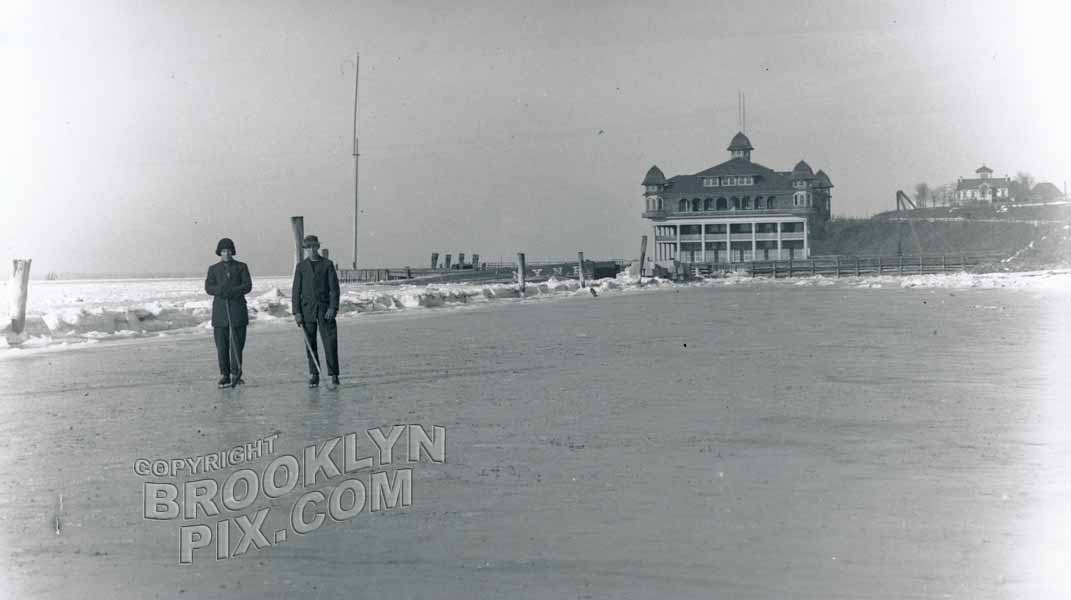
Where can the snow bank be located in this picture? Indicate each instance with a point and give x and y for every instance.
(92, 311)
(81, 312)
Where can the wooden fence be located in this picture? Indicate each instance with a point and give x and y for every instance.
(844, 266)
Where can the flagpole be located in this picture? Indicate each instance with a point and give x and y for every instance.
(356, 155)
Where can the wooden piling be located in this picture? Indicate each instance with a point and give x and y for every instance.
(837, 267)
(20, 285)
(475, 262)
(900, 266)
(298, 225)
(435, 260)
(580, 262)
(643, 254)
(521, 268)
(446, 264)
(461, 260)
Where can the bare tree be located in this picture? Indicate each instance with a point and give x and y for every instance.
(943, 195)
(922, 193)
(1022, 186)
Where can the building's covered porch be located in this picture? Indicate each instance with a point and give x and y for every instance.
(731, 240)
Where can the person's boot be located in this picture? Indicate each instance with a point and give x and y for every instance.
(334, 380)
(236, 380)
(314, 380)
(224, 381)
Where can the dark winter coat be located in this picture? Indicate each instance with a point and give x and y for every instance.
(315, 288)
(228, 282)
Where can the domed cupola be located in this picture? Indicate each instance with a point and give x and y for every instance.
(740, 146)
(802, 170)
(654, 177)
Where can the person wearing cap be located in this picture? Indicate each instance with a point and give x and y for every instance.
(228, 282)
(314, 299)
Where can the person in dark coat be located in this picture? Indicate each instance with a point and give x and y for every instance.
(314, 300)
(228, 282)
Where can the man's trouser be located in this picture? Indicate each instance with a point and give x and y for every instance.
(329, 333)
(229, 358)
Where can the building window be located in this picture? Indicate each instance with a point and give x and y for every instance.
(682, 206)
(758, 203)
(707, 203)
(731, 181)
(710, 182)
(659, 203)
(695, 204)
(652, 188)
(747, 202)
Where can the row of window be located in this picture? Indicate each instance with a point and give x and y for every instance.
(799, 199)
(728, 181)
(664, 231)
(734, 203)
(983, 192)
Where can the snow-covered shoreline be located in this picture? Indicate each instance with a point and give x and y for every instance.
(77, 313)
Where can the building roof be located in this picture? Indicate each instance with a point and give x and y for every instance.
(1046, 191)
(654, 177)
(802, 168)
(766, 179)
(736, 166)
(973, 184)
(740, 142)
(823, 179)
(983, 169)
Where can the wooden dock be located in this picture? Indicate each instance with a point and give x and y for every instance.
(538, 270)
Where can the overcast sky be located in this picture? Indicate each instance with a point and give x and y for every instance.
(135, 134)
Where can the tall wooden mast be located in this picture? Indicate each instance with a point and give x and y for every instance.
(356, 156)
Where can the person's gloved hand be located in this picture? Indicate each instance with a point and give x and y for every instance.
(298, 319)
(330, 314)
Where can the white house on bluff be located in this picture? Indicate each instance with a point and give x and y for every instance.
(984, 187)
(735, 211)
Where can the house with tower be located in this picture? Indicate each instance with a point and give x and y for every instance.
(984, 188)
(735, 211)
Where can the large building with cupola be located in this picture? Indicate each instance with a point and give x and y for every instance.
(735, 211)
(984, 188)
